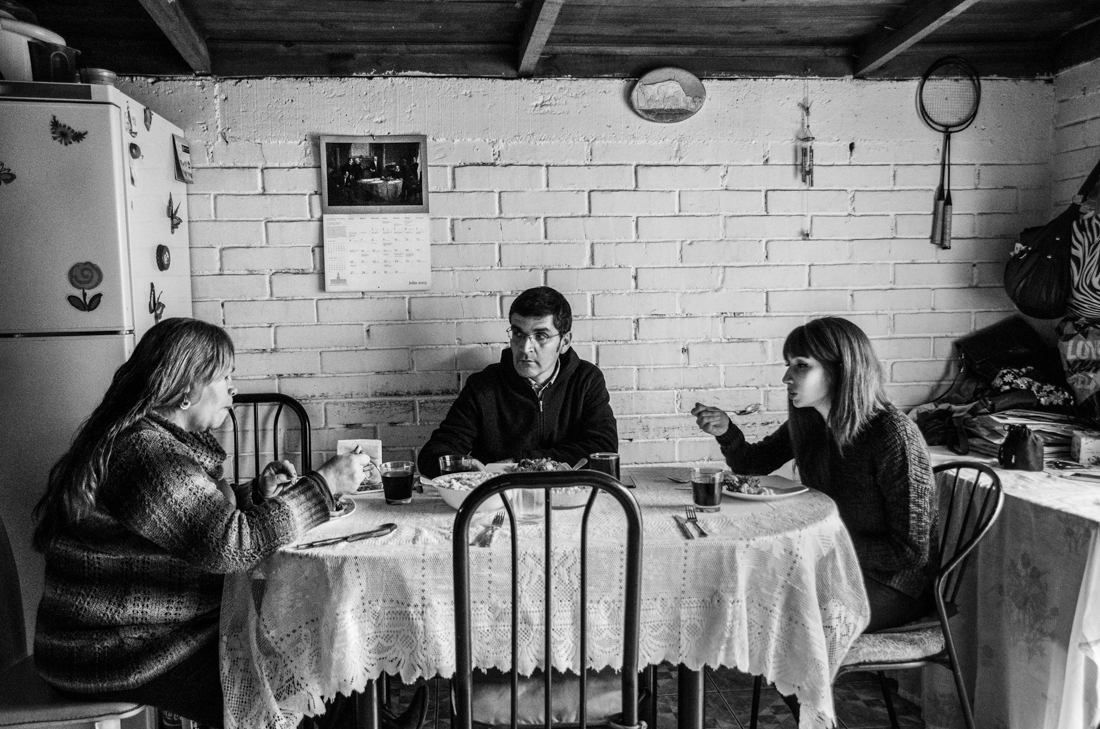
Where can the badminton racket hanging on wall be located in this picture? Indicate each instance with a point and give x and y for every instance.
(948, 98)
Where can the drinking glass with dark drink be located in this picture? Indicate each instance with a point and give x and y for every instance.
(456, 464)
(397, 481)
(706, 488)
(605, 463)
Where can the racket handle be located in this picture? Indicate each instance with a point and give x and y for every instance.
(937, 220)
(945, 239)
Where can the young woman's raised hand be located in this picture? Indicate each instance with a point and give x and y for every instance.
(711, 420)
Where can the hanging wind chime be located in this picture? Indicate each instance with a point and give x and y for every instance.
(806, 145)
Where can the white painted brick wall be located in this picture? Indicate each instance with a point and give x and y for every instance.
(688, 251)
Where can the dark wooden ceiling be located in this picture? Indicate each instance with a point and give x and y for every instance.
(577, 38)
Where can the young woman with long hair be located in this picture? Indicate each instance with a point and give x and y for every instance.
(851, 443)
(137, 530)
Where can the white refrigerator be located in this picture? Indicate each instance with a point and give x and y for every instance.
(93, 251)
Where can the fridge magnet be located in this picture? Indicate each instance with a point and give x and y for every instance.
(183, 159)
(374, 174)
(156, 306)
(135, 151)
(173, 214)
(667, 95)
(64, 134)
(148, 120)
(6, 176)
(85, 276)
(130, 122)
(164, 257)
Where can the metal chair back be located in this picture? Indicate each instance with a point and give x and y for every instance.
(548, 481)
(975, 500)
(260, 403)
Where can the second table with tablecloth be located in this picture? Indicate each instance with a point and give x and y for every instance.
(775, 590)
(1028, 629)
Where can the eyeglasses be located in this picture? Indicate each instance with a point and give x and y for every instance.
(520, 338)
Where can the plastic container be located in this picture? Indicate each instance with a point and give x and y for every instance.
(15, 51)
(98, 76)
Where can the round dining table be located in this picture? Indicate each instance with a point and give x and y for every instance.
(775, 589)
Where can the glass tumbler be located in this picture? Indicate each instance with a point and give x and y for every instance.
(397, 481)
(456, 464)
(528, 504)
(605, 463)
(706, 488)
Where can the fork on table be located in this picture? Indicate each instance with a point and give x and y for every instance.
(691, 517)
(486, 537)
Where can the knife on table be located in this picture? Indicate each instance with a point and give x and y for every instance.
(682, 523)
(379, 532)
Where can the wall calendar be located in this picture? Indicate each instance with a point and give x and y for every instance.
(377, 252)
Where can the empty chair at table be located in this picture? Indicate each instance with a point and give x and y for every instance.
(549, 697)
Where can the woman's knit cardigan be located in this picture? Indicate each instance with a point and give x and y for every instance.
(883, 488)
(135, 588)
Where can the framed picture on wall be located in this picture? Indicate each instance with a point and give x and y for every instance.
(372, 175)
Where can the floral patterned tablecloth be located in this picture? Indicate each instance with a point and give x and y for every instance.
(1032, 658)
(775, 590)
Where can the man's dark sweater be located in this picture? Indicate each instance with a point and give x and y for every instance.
(498, 416)
(883, 488)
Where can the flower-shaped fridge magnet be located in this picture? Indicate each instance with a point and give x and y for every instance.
(85, 276)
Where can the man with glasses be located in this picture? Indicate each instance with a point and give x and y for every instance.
(540, 401)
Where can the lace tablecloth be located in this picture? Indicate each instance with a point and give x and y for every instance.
(776, 590)
(1033, 659)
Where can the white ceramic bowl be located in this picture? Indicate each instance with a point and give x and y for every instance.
(455, 487)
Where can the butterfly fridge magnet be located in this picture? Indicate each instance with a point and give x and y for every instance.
(173, 214)
(64, 134)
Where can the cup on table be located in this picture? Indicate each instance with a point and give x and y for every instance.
(529, 505)
(456, 464)
(706, 488)
(397, 481)
(605, 463)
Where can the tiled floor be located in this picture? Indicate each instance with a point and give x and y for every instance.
(728, 703)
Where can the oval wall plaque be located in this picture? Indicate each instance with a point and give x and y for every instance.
(667, 95)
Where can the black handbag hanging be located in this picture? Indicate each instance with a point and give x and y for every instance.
(1037, 276)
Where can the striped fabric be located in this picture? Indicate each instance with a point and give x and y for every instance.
(1084, 297)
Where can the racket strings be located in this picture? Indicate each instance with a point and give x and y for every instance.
(949, 102)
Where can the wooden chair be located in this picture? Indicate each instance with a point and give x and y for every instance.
(974, 501)
(622, 709)
(26, 701)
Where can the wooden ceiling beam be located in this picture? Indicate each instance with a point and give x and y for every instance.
(906, 30)
(170, 16)
(253, 58)
(1079, 45)
(544, 13)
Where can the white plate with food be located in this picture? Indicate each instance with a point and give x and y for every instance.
(759, 488)
(569, 497)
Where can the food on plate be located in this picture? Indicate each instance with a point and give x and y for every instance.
(464, 481)
(565, 497)
(741, 484)
(539, 464)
